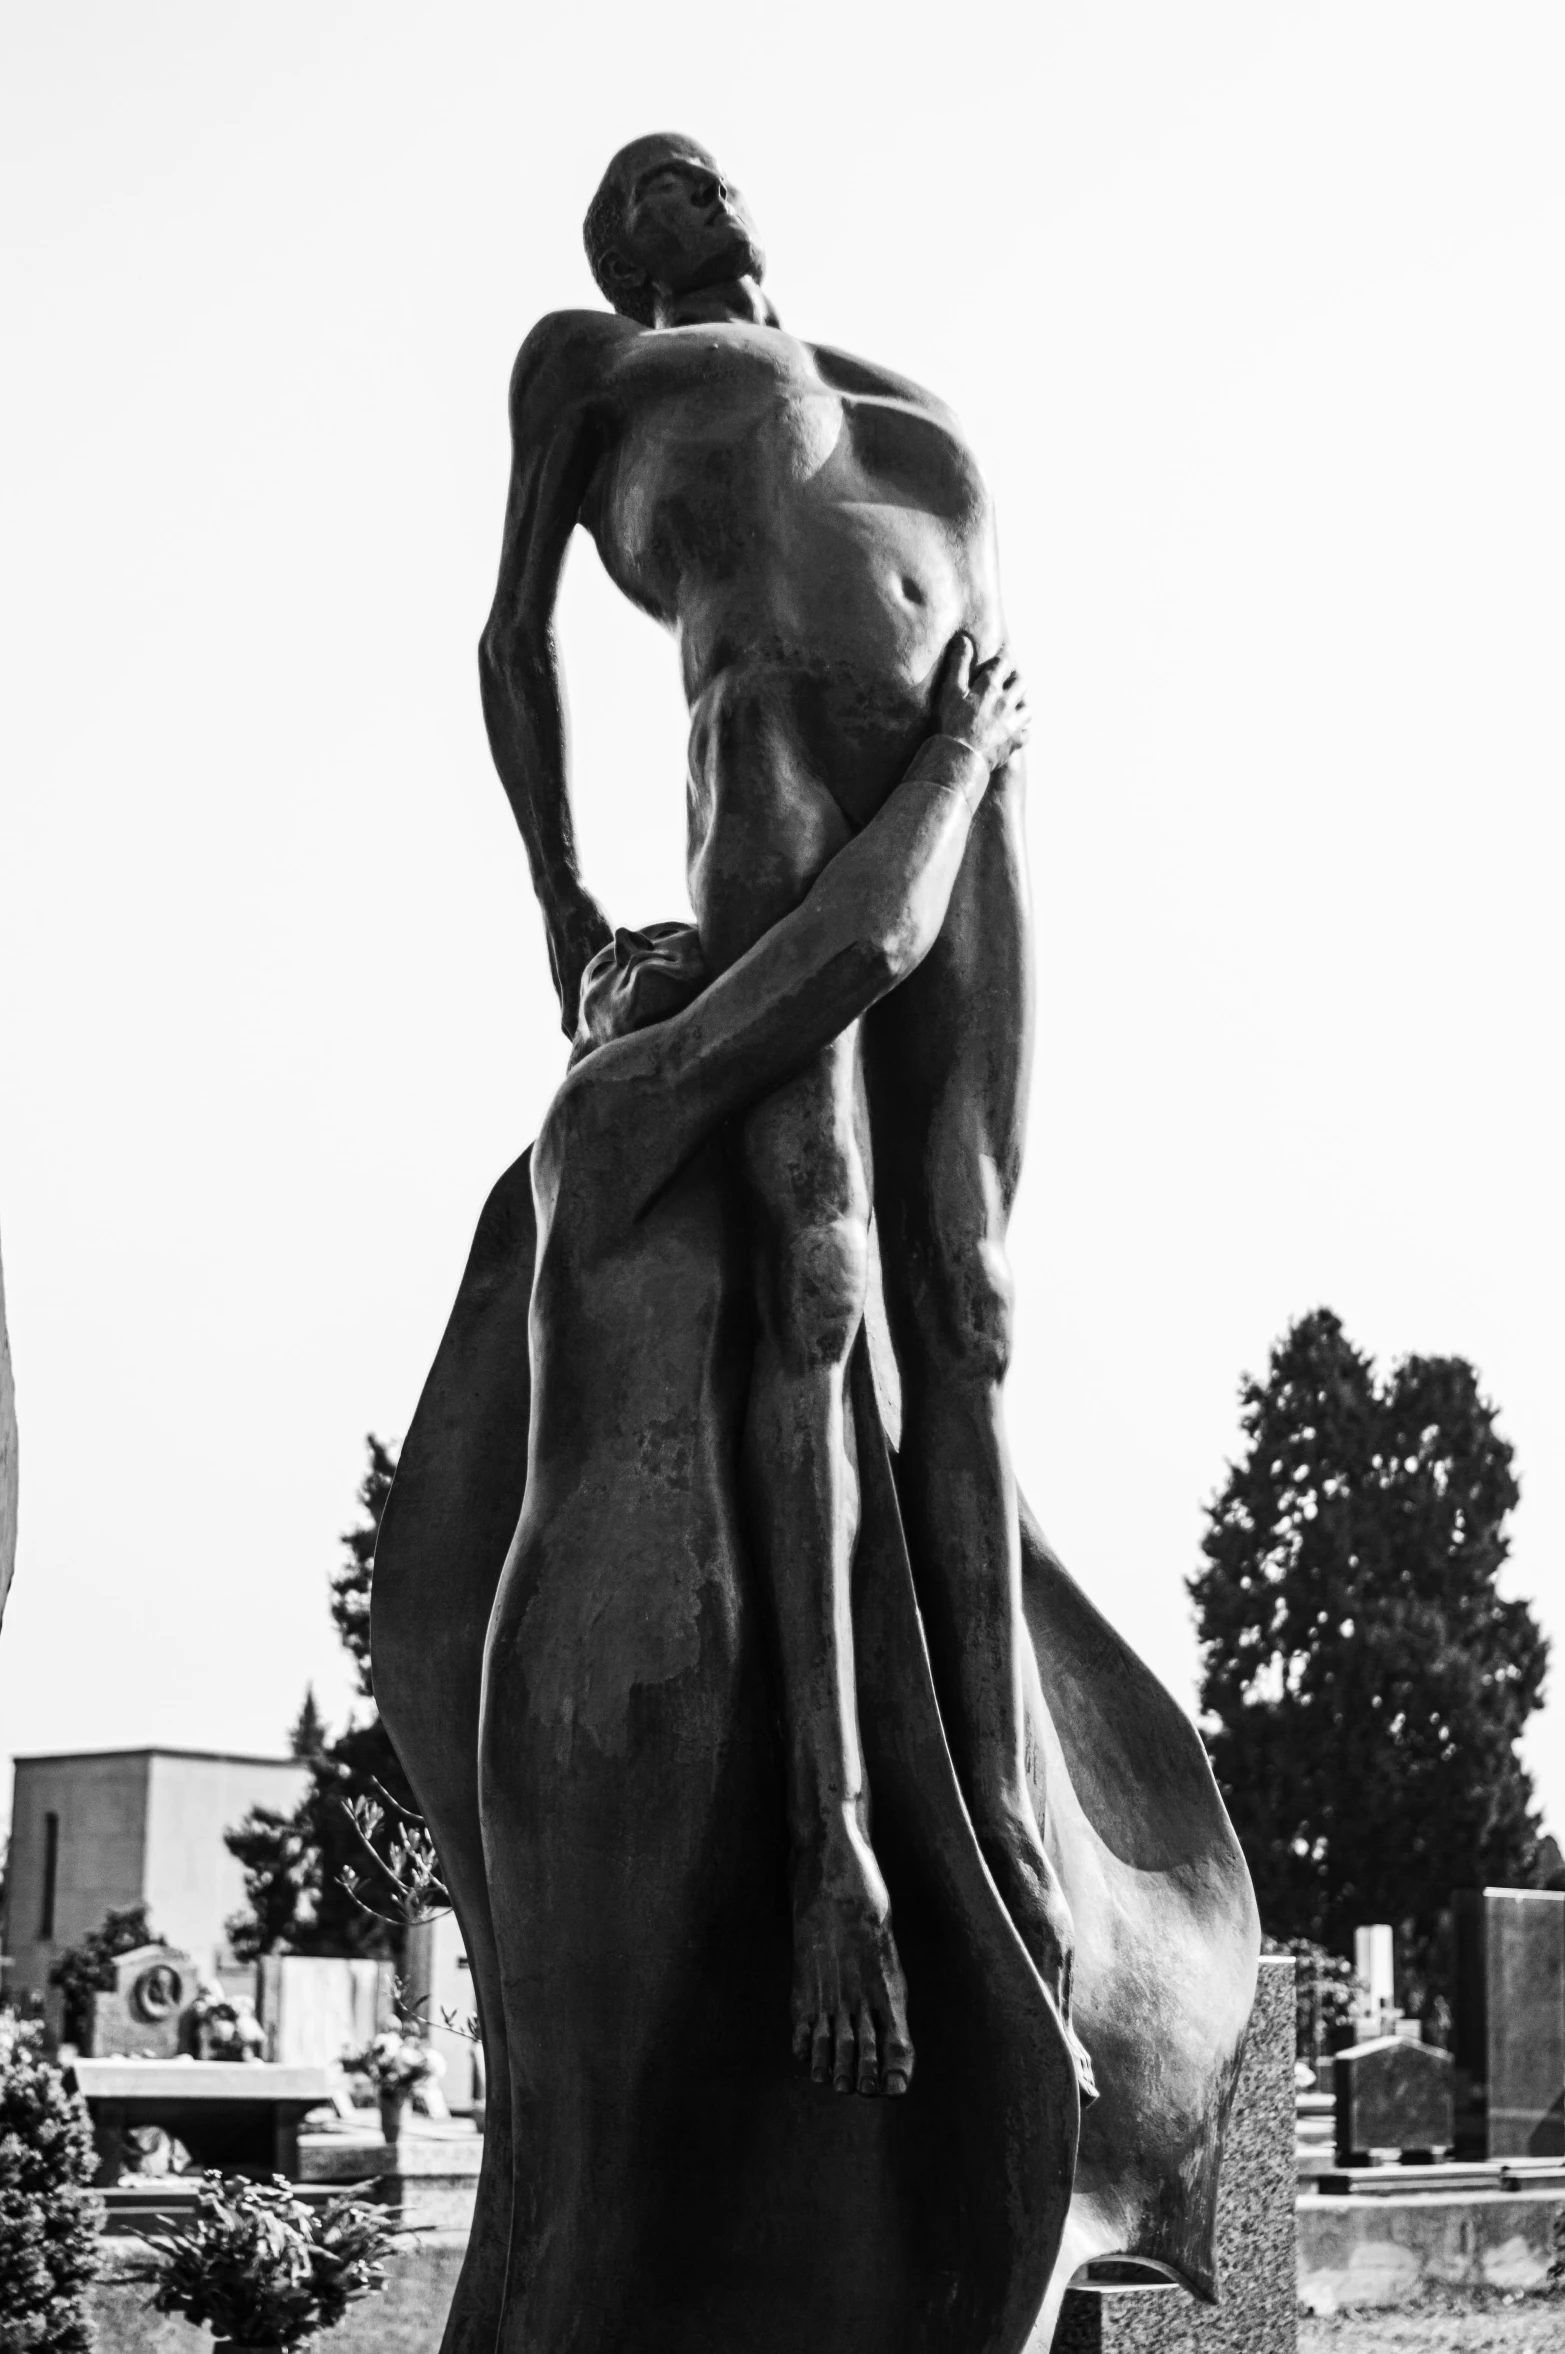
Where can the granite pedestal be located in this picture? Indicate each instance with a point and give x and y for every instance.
(1256, 2312)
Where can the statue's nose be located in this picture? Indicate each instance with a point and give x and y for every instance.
(628, 944)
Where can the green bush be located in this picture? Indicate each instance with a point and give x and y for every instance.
(262, 2268)
(48, 2216)
(88, 1969)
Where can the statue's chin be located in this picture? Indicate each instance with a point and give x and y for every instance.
(741, 258)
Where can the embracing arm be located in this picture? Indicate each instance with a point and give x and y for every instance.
(638, 1108)
(552, 455)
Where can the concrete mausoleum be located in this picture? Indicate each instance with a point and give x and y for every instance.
(100, 1830)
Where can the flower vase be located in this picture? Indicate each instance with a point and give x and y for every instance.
(392, 2105)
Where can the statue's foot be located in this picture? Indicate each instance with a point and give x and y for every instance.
(1031, 1893)
(849, 1994)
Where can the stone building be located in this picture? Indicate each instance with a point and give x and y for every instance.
(104, 1829)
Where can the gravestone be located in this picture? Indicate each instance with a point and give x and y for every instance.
(1509, 2023)
(1257, 2295)
(316, 2007)
(1374, 1966)
(1392, 2095)
(142, 2016)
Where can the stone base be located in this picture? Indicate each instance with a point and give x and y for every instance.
(1389, 2251)
(1257, 2310)
(430, 2177)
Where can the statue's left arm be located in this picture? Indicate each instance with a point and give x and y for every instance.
(643, 1104)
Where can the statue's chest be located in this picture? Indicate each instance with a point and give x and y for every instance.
(730, 453)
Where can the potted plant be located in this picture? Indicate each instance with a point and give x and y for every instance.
(395, 2063)
(265, 2271)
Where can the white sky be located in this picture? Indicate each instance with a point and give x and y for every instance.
(1254, 316)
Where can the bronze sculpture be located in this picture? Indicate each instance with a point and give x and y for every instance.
(623, 1854)
(813, 530)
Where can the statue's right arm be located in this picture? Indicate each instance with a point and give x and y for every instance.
(631, 1115)
(555, 429)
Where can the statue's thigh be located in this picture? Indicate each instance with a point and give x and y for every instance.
(948, 1057)
(762, 823)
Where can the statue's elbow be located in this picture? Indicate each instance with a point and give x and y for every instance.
(491, 659)
(894, 949)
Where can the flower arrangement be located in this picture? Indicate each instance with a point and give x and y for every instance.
(263, 2269)
(395, 2063)
(225, 2029)
(48, 2215)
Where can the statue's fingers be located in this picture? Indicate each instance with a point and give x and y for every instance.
(801, 2041)
(847, 2054)
(869, 2056)
(820, 2052)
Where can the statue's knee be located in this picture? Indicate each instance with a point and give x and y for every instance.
(970, 1311)
(818, 1280)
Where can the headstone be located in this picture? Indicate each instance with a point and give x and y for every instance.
(1393, 2094)
(1509, 2023)
(143, 2015)
(1257, 2307)
(1374, 1965)
(437, 1985)
(316, 2007)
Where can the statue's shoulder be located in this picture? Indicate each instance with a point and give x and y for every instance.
(845, 372)
(567, 353)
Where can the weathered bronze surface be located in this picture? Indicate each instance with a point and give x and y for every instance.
(657, 1611)
(813, 530)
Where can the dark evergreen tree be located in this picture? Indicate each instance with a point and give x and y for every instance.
(1364, 1682)
(350, 1585)
(308, 1738)
(299, 1868)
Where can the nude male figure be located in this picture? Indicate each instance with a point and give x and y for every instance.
(813, 531)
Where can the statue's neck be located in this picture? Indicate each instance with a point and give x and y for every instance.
(730, 298)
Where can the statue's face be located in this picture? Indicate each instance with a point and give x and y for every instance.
(683, 225)
(640, 977)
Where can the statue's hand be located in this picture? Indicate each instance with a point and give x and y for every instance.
(983, 705)
(577, 928)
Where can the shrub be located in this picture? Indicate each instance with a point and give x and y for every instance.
(48, 2216)
(88, 1969)
(262, 2268)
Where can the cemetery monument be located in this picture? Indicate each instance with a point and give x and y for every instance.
(860, 1946)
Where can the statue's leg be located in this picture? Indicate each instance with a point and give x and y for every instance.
(809, 1191)
(762, 827)
(948, 1058)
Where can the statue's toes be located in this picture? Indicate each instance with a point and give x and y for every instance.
(845, 2071)
(869, 2053)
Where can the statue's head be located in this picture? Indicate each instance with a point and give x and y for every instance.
(640, 977)
(665, 221)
